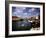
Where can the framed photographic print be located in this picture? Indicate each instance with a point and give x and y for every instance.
(24, 18)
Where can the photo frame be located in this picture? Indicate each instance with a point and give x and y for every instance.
(24, 18)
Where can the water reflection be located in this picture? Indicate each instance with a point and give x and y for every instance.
(21, 25)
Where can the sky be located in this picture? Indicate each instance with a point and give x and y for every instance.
(25, 11)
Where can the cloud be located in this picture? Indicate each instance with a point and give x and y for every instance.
(25, 12)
